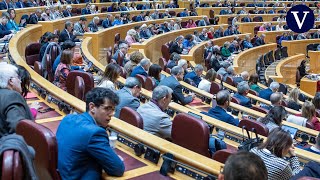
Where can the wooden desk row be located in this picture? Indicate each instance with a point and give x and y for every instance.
(233, 132)
(298, 46)
(204, 164)
(308, 85)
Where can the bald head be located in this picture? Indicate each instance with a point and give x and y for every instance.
(245, 75)
(275, 99)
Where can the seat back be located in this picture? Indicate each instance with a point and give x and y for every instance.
(258, 126)
(215, 88)
(284, 52)
(257, 19)
(275, 18)
(71, 79)
(270, 55)
(79, 88)
(11, 166)
(259, 109)
(45, 145)
(283, 88)
(109, 56)
(49, 69)
(253, 92)
(222, 155)
(207, 60)
(142, 79)
(131, 116)
(168, 70)
(54, 53)
(165, 52)
(149, 84)
(117, 38)
(235, 100)
(163, 63)
(309, 47)
(298, 77)
(32, 52)
(211, 13)
(256, 29)
(229, 81)
(120, 59)
(191, 133)
(277, 54)
(38, 68)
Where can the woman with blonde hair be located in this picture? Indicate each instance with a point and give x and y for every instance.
(308, 114)
(293, 99)
(130, 37)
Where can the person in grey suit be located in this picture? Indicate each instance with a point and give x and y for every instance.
(172, 82)
(13, 107)
(128, 95)
(79, 27)
(93, 25)
(155, 120)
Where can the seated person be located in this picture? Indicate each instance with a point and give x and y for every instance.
(302, 68)
(67, 45)
(278, 144)
(155, 120)
(316, 147)
(50, 38)
(225, 50)
(260, 40)
(128, 95)
(135, 59)
(80, 27)
(173, 61)
(308, 112)
(67, 33)
(13, 106)
(122, 50)
(223, 70)
(253, 82)
(205, 83)
(188, 42)
(266, 93)
(195, 75)
(5, 17)
(228, 31)
(142, 68)
(243, 90)
(63, 69)
(244, 165)
(93, 25)
(274, 117)
(86, 10)
(275, 99)
(234, 47)
(177, 46)
(85, 156)
(172, 81)
(244, 76)
(220, 111)
(155, 73)
(143, 32)
(293, 99)
(230, 73)
(247, 42)
(110, 76)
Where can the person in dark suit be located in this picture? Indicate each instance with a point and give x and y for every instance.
(177, 45)
(128, 95)
(3, 22)
(80, 26)
(107, 22)
(13, 107)
(35, 17)
(266, 93)
(67, 33)
(50, 38)
(219, 112)
(67, 12)
(122, 50)
(228, 31)
(85, 156)
(6, 4)
(219, 32)
(20, 4)
(86, 10)
(172, 82)
(204, 21)
(142, 68)
(93, 25)
(140, 17)
(302, 68)
(260, 40)
(243, 90)
(195, 75)
(143, 32)
(173, 61)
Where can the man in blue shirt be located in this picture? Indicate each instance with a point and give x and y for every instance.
(247, 42)
(83, 143)
(195, 75)
(243, 90)
(187, 42)
(219, 112)
(266, 93)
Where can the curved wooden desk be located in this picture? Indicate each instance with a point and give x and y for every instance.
(152, 46)
(196, 53)
(247, 60)
(105, 37)
(298, 46)
(59, 24)
(308, 85)
(314, 62)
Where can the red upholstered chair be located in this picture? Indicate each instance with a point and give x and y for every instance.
(258, 126)
(165, 51)
(32, 53)
(191, 133)
(211, 13)
(44, 143)
(235, 100)
(131, 116)
(54, 53)
(183, 24)
(222, 155)
(257, 19)
(207, 60)
(219, 76)
(120, 59)
(117, 38)
(79, 88)
(163, 63)
(168, 70)
(104, 9)
(260, 109)
(275, 18)
(87, 78)
(256, 29)
(123, 73)
(38, 68)
(109, 56)
(215, 88)
(11, 166)
(229, 81)
(142, 79)
(253, 92)
(172, 13)
(149, 84)
(298, 77)
(230, 20)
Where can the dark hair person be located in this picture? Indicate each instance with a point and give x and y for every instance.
(110, 76)
(272, 151)
(63, 69)
(274, 117)
(302, 68)
(253, 82)
(244, 165)
(155, 73)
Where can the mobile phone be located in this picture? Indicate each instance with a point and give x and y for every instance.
(44, 110)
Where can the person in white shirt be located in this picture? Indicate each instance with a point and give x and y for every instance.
(111, 74)
(279, 27)
(205, 83)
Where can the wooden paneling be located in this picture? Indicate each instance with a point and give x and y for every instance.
(298, 46)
